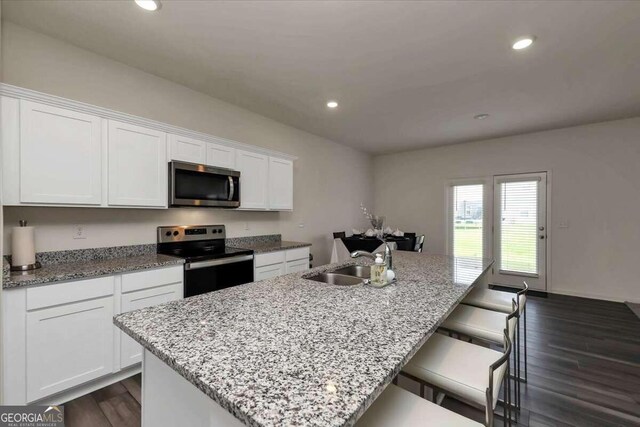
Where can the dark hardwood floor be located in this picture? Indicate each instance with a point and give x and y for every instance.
(584, 365)
(584, 370)
(117, 405)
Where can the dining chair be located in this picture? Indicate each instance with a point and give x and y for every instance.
(406, 244)
(396, 407)
(339, 234)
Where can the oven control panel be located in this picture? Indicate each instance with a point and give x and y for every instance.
(185, 233)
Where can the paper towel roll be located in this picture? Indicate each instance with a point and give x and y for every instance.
(23, 248)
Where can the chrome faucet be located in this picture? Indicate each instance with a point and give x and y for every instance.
(388, 258)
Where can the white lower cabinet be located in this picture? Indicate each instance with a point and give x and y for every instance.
(59, 338)
(296, 266)
(269, 271)
(68, 345)
(131, 351)
(274, 264)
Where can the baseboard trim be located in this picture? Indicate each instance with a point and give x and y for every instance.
(594, 296)
(81, 390)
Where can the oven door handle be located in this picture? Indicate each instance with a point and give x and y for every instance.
(214, 262)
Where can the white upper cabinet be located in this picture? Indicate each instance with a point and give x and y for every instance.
(60, 156)
(221, 156)
(187, 149)
(254, 174)
(59, 152)
(137, 166)
(280, 184)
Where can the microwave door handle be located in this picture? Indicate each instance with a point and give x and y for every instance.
(231, 188)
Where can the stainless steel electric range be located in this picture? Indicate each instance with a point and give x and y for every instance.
(209, 264)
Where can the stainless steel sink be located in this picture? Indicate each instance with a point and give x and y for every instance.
(362, 271)
(336, 279)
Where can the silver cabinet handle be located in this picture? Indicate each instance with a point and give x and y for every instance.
(214, 262)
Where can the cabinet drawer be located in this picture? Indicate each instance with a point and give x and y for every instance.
(64, 293)
(297, 266)
(296, 254)
(269, 271)
(130, 350)
(151, 278)
(269, 258)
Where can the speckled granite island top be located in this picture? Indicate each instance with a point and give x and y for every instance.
(88, 268)
(290, 351)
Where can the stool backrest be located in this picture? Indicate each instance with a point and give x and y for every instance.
(495, 366)
(522, 297)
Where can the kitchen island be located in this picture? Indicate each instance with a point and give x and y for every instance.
(290, 351)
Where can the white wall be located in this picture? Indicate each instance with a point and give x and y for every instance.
(596, 185)
(330, 179)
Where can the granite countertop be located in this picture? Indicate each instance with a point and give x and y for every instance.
(88, 268)
(264, 247)
(290, 351)
(6, 269)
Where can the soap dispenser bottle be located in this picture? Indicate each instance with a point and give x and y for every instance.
(379, 272)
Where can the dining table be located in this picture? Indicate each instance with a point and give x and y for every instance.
(343, 247)
(370, 244)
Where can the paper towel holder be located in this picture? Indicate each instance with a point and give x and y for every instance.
(29, 267)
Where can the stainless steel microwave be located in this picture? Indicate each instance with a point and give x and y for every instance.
(191, 184)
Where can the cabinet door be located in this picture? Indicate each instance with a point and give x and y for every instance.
(137, 166)
(130, 350)
(60, 156)
(68, 345)
(280, 184)
(269, 271)
(297, 266)
(253, 169)
(187, 149)
(221, 156)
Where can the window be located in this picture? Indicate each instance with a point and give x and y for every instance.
(467, 211)
(519, 220)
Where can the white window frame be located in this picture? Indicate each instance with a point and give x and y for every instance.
(487, 213)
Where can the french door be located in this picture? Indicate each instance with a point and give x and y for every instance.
(520, 230)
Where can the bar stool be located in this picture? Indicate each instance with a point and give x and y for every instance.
(488, 326)
(501, 301)
(396, 407)
(459, 369)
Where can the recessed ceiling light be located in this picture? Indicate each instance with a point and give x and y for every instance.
(523, 43)
(481, 116)
(332, 104)
(150, 5)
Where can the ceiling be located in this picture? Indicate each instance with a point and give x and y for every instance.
(406, 75)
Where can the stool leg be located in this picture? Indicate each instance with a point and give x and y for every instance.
(518, 365)
(526, 375)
